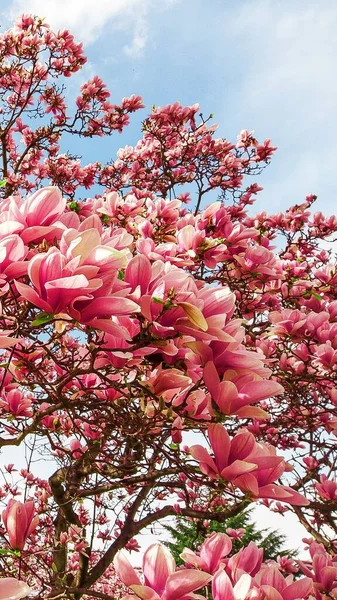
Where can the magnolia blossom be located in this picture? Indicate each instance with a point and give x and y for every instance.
(19, 522)
(161, 580)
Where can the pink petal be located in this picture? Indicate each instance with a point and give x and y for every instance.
(299, 589)
(144, 592)
(31, 296)
(222, 588)
(227, 394)
(184, 582)
(260, 390)
(109, 306)
(207, 464)
(124, 570)
(211, 379)
(220, 443)
(158, 564)
(138, 272)
(62, 292)
(237, 468)
(242, 445)
(283, 493)
(215, 547)
(12, 589)
(247, 483)
(271, 593)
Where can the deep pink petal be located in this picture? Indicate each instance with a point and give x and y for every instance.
(139, 272)
(207, 464)
(220, 442)
(211, 379)
(260, 390)
(31, 296)
(242, 445)
(237, 468)
(298, 589)
(109, 306)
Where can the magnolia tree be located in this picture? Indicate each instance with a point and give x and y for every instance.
(162, 353)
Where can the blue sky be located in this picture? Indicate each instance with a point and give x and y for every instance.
(264, 65)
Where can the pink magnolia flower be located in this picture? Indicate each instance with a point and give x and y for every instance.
(161, 580)
(247, 560)
(322, 570)
(15, 403)
(234, 398)
(249, 466)
(19, 522)
(36, 218)
(12, 589)
(222, 588)
(327, 488)
(215, 547)
(277, 587)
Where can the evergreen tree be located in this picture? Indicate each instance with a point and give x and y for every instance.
(191, 533)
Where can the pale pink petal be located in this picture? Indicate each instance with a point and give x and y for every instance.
(138, 272)
(124, 570)
(215, 547)
(242, 587)
(12, 589)
(158, 564)
(144, 592)
(222, 588)
(183, 582)
(190, 558)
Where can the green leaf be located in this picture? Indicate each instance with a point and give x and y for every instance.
(158, 301)
(317, 296)
(12, 552)
(42, 318)
(74, 206)
(3, 182)
(121, 274)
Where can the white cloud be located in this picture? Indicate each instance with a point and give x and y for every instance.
(87, 19)
(140, 36)
(286, 53)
